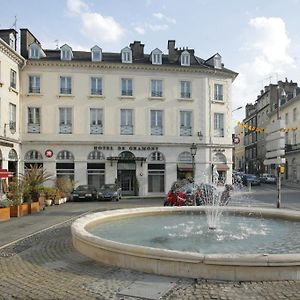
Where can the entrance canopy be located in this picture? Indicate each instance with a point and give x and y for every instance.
(222, 167)
(187, 167)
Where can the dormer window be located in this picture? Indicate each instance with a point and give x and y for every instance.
(96, 53)
(12, 41)
(156, 57)
(185, 58)
(126, 55)
(66, 52)
(218, 61)
(34, 51)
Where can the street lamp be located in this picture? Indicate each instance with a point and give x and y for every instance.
(193, 153)
(240, 107)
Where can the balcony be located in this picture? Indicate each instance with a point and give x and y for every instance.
(33, 128)
(67, 91)
(65, 128)
(34, 90)
(126, 93)
(185, 131)
(96, 129)
(292, 148)
(156, 130)
(156, 94)
(185, 95)
(126, 129)
(96, 92)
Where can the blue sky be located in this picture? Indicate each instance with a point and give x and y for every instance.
(259, 39)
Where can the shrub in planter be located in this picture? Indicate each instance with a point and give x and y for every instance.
(4, 210)
(14, 195)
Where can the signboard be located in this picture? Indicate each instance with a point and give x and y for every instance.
(275, 144)
(48, 153)
(236, 140)
(276, 161)
(275, 136)
(275, 153)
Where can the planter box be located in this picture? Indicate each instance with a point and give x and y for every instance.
(25, 209)
(16, 211)
(34, 207)
(48, 202)
(4, 213)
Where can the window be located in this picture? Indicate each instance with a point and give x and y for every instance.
(12, 116)
(96, 121)
(33, 51)
(126, 121)
(66, 52)
(156, 57)
(156, 88)
(218, 125)
(185, 123)
(65, 120)
(126, 55)
(294, 137)
(218, 92)
(12, 41)
(126, 87)
(96, 53)
(13, 79)
(286, 118)
(34, 84)
(65, 85)
(295, 114)
(218, 61)
(185, 58)
(185, 89)
(33, 120)
(96, 86)
(156, 122)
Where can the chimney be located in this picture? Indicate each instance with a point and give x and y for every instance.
(137, 50)
(172, 55)
(27, 38)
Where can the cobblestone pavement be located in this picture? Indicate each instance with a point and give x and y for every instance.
(46, 266)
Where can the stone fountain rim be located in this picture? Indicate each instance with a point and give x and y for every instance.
(81, 234)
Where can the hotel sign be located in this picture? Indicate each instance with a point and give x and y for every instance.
(127, 148)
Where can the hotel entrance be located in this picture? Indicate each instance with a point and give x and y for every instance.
(127, 173)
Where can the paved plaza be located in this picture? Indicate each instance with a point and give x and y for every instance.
(45, 265)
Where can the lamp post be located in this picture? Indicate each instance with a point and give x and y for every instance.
(193, 153)
(238, 108)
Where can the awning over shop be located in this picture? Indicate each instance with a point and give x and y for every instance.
(222, 167)
(187, 167)
(5, 174)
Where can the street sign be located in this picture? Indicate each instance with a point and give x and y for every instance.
(276, 161)
(275, 153)
(236, 140)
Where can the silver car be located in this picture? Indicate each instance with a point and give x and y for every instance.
(109, 192)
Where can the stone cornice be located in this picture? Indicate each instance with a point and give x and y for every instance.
(119, 66)
(12, 54)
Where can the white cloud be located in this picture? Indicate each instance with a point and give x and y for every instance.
(268, 48)
(140, 30)
(77, 7)
(94, 25)
(163, 17)
(158, 27)
(101, 28)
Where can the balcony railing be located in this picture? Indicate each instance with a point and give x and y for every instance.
(33, 128)
(290, 147)
(96, 129)
(65, 128)
(66, 91)
(185, 131)
(34, 90)
(156, 130)
(156, 93)
(185, 95)
(126, 129)
(126, 92)
(96, 92)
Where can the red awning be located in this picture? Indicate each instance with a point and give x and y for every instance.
(222, 167)
(185, 167)
(5, 174)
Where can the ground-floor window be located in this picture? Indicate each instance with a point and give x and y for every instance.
(65, 170)
(156, 178)
(96, 174)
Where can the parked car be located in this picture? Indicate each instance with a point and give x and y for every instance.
(109, 192)
(250, 179)
(268, 178)
(84, 192)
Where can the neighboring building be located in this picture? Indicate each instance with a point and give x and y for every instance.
(260, 115)
(10, 65)
(239, 150)
(130, 117)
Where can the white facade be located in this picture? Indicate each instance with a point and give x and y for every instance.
(141, 118)
(10, 64)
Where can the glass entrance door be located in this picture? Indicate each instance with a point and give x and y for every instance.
(126, 178)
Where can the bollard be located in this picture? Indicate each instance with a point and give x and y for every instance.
(249, 186)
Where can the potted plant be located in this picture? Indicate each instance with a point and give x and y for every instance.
(31, 181)
(49, 195)
(64, 187)
(15, 196)
(4, 209)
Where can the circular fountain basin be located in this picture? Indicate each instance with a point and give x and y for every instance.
(208, 264)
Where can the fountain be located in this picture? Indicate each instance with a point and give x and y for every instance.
(246, 244)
